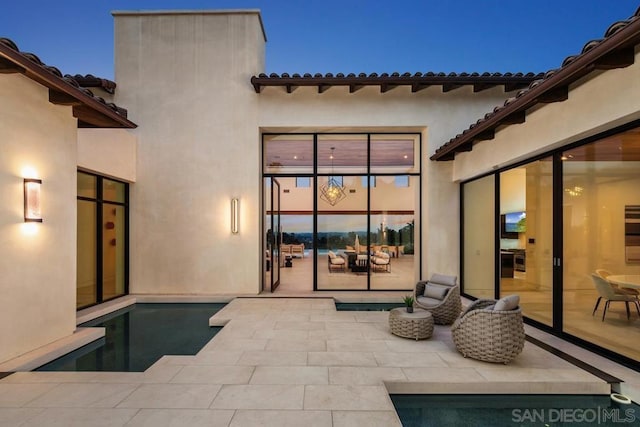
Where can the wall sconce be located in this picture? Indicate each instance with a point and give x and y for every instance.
(32, 211)
(235, 215)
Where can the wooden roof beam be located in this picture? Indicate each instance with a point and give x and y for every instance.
(464, 147)
(8, 67)
(354, 87)
(60, 98)
(558, 94)
(617, 59)
(386, 87)
(510, 87)
(485, 136)
(291, 88)
(448, 87)
(323, 88)
(516, 118)
(417, 87)
(479, 87)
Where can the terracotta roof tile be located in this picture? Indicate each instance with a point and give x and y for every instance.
(73, 83)
(620, 35)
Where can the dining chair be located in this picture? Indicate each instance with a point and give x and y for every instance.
(617, 289)
(607, 292)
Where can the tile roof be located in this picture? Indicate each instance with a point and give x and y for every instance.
(91, 110)
(90, 80)
(417, 81)
(614, 50)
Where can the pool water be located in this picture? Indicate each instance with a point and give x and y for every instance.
(137, 336)
(375, 306)
(513, 410)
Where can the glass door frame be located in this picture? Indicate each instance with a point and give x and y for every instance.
(314, 179)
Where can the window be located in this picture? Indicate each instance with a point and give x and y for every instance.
(303, 182)
(339, 180)
(371, 182)
(102, 248)
(402, 181)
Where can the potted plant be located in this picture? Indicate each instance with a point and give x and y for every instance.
(408, 301)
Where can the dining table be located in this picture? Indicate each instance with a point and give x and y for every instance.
(625, 280)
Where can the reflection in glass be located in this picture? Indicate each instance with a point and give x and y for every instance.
(526, 237)
(86, 282)
(86, 185)
(479, 236)
(113, 251)
(599, 180)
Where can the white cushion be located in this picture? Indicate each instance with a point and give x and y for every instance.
(380, 260)
(507, 303)
(332, 255)
(435, 291)
(443, 279)
(337, 261)
(381, 254)
(429, 302)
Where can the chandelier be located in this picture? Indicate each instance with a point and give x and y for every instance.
(332, 192)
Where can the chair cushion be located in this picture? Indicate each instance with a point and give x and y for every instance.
(332, 255)
(435, 291)
(337, 261)
(381, 254)
(507, 303)
(443, 279)
(380, 260)
(429, 302)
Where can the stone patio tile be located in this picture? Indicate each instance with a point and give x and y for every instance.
(290, 375)
(297, 345)
(229, 344)
(181, 417)
(16, 395)
(259, 397)
(171, 396)
(266, 418)
(214, 375)
(283, 334)
(216, 358)
(458, 375)
(517, 374)
(47, 377)
(336, 334)
(17, 416)
(347, 397)
(336, 316)
(273, 358)
(155, 374)
(83, 395)
(356, 345)
(365, 419)
(402, 345)
(341, 358)
(343, 325)
(364, 376)
(80, 417)
(299, 326)
(408, 360)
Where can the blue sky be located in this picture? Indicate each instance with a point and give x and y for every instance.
(342, 36)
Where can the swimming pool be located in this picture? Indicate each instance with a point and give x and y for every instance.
(513, 410)
(368, 306)
(139, 335)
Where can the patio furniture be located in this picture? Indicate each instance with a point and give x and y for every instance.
(297, 250)
(617, 289)
(381, 261)
(490, 330)
(441, 296)
(417, 325)
(608, 292)
(335, 262)
(361, 264)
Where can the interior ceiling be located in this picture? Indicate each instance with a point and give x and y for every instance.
(347, 152)
(622, 147)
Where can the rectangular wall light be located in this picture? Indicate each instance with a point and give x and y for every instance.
(32, 211)
(235, 215)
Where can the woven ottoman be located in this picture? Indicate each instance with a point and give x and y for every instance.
(417, 325)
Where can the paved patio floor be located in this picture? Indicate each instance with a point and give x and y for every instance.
(282, 362)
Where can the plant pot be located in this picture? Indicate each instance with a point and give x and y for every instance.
(409, 309)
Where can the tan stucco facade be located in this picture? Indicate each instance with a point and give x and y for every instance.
(37, 260)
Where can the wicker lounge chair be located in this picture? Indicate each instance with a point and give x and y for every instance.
(446, 306)
(490, 335)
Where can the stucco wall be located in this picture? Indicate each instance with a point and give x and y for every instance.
(437, 115)
(185, 79)
(109, 152)
(37, 261)
(603, 101)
